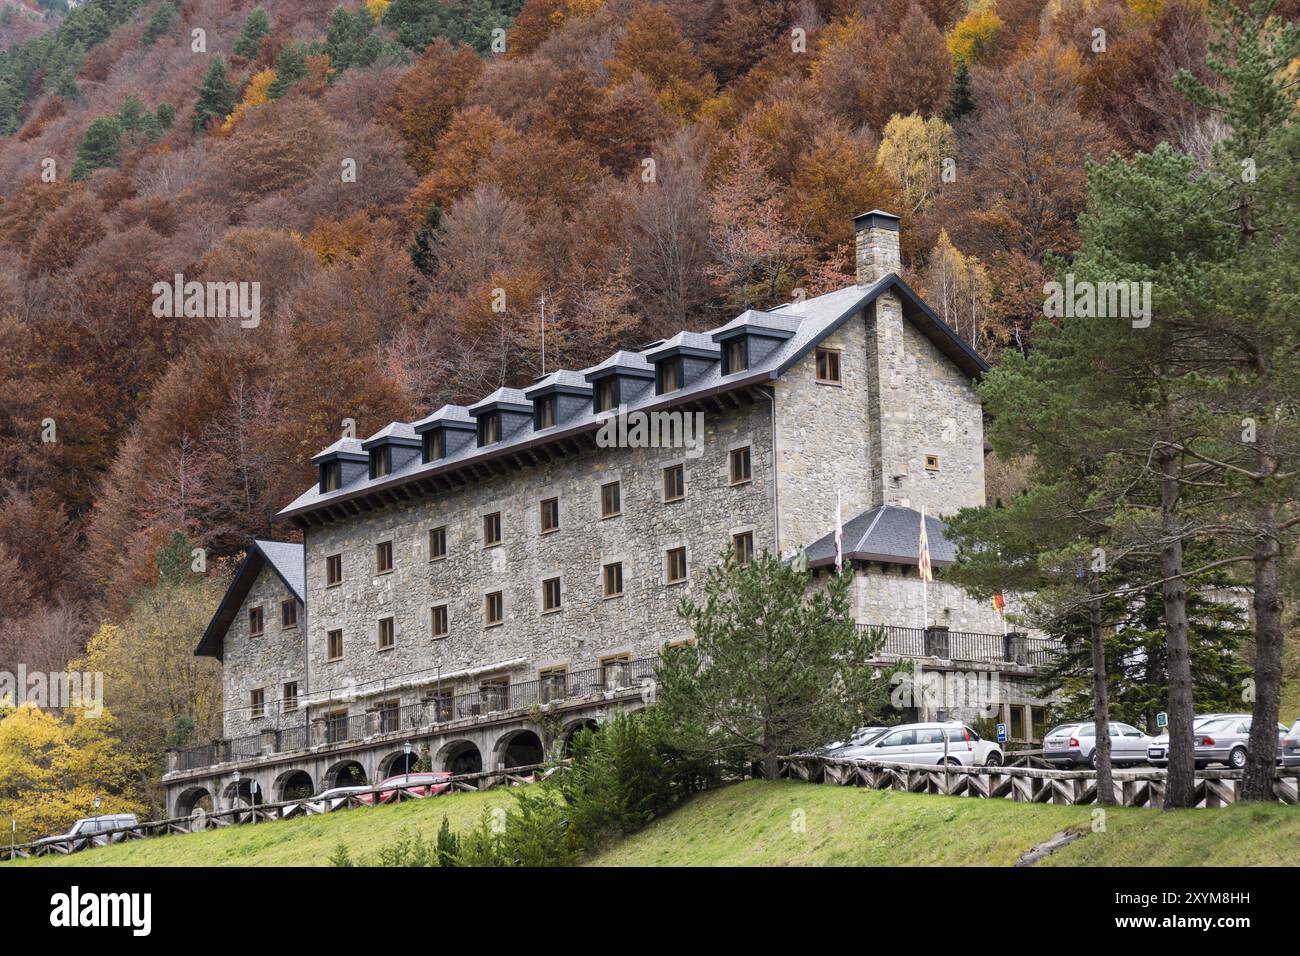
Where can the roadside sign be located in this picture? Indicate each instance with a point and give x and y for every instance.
(1002, 733)
(1162, 719)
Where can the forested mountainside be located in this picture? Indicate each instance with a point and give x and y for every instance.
(393, 174)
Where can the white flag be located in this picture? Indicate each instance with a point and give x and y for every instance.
(839, 536)
(923, 562)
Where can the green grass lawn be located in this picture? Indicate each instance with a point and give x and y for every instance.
(775, 823)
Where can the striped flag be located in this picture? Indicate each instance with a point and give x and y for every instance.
(927, 571)
(839, 536)
(999, 604)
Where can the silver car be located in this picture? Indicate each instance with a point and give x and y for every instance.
(1291, 746)
(1225, 741)
(1158, 752)
(1076, 744)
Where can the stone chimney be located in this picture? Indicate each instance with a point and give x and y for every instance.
(877, 245)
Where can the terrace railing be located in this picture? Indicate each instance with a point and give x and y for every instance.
(1012, 648)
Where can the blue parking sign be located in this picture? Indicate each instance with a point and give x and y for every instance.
(1002, 733)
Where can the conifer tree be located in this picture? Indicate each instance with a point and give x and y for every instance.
(217, 95)
(256, 26)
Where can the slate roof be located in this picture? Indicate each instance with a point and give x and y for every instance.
(284, 558)
(812, 319)
(448, 413)
(886, 533)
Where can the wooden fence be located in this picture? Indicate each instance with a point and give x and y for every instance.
(245, 813)
(1133, 788)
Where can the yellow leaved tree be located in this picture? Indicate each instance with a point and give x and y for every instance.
(256, 94)
(915, 151)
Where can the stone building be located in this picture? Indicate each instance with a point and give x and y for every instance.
(492, 575)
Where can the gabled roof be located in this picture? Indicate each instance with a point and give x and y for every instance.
(889, 534)
(284, 558)
(399, 433)
(623, 362)
(512, 399)
(761, 323)
(448, 415)
(343, 448)
(683, 343)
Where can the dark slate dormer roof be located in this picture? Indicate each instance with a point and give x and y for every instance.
(889, 534)
(561, 380)
(449, 416)
(753, 322)
(503, 399)
(345, 448)
(394, 433)
(621, 363)
(695, 344)
(283, 557)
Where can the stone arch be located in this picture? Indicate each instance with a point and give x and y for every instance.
(571, 730)
(244, 792)
(293, 785)
(397, 763)
(460, 756)
(191, 799)
(346, 773)
(519, 748)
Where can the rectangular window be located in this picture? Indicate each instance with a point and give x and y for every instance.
(331, 476)
(743, 546)
(544, 412)
(437, 543)
(734, 356)
(381, 462)
(333, 570)
(676, 565)
(674, 483)
(258, 708)
(613, 579)
(550, 514)
(289, 613)
(606, 394)
(670, 375)
(616, 671)
(931, 462)
(494, 608)
(551, 683)
(383, 557)
(336, 726)
(828, 366)
(611, 500)
(489, 429)
(492, 529)
(387, 631)
(290, 696)
(740, 465)
(255, 623)
(334, 648)
(389, 716)
(435, 445)
(551, 594)
(438, 621)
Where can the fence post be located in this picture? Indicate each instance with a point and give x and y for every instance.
(1015, 648)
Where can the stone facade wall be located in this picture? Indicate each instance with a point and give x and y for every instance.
(589, 626)
(267, 662)
(892, 595)
(921, 404)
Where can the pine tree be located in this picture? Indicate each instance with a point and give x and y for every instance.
(256, 26)
(290, 67)
(423, 249)
(160, 23)
(961, 101)
(101, 146)
(217, 95)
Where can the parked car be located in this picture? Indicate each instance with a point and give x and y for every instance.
(426, 784)
(1225, 740)
(1291, 746)
(1076, 744)
(97, 828)
(332, 798)
(840, 748)
(1158, 752)
(924, 743)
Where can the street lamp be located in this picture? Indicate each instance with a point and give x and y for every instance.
(406, 763)
(234, 800)
(97, 803)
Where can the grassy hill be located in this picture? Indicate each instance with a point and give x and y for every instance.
(751, 824)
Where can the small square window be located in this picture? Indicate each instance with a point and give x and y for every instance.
(386, 634)
(674, 483)
(437, 543)
(551, 594)
(734, 356)
(931, 462)
(255, 623)
(290, 696)
(492, 529)
(334, 648)
(438, 621)
(743, 546)
(494, 611)
(333, 570)
(828, 366)
(289, 613)
(258, 702)
(550, 514)
(544, 412)
(613, 579)
(383, 557)
(740, 465)
(676, 565)
(611, 500)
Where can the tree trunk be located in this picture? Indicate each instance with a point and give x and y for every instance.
(1180, 785)
(1262, 749)
(1100, 699)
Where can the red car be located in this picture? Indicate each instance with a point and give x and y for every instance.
(414, 784)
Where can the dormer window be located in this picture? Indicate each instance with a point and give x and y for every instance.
(331, 476)
(606, 396)
(489, 429)
(381, 462)
(735, 357)
(544, 412)
(669, 375)
(435, 445)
